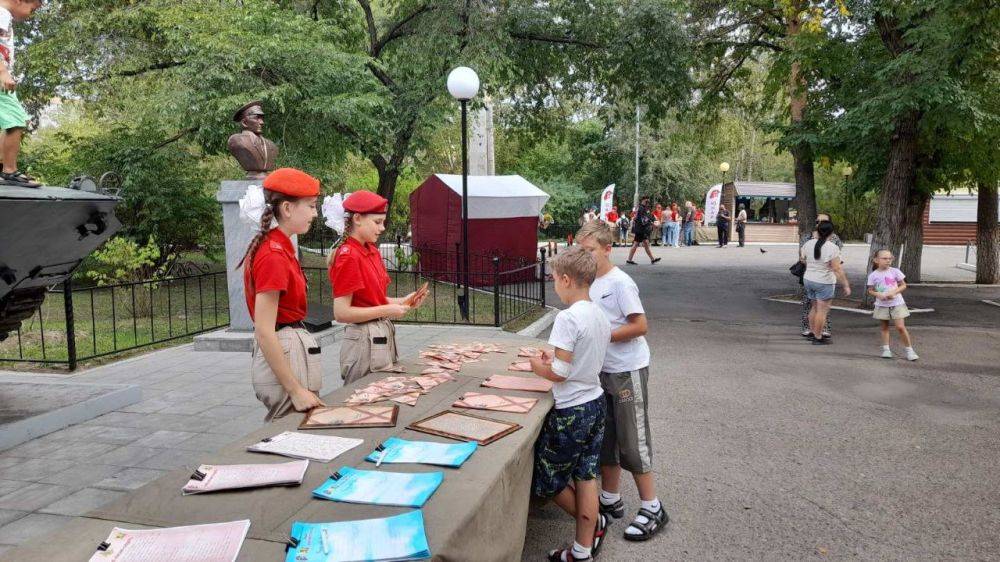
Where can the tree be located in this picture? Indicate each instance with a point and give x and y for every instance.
(785, 36)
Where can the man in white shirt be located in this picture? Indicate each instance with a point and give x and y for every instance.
(624, 376)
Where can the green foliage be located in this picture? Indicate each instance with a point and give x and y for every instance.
(122, 260)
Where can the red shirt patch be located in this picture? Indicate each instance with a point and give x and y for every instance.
(276, 268)
(358, 270)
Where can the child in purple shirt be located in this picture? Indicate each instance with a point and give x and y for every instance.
(886, 284)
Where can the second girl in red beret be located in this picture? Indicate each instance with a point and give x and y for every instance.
(359, 281)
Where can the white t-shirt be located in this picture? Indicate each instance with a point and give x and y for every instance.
(819, 270)
(7, 38)
(582, 330)
(618, 296)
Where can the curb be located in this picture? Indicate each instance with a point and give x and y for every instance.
(854, 310)
(540, 325)
(994, 303)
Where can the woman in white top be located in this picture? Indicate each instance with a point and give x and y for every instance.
(823, 270)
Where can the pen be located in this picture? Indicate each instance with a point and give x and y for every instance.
(381, 456)
(326, 541)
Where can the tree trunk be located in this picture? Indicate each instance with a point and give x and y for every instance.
(899, 181)
(912, 236)
(805, 188)
(387, 177)
(988, 235)
(805, 183)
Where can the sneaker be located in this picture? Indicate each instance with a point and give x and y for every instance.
(821, 341)
(886, 353)
(911, 355)
(807, 334)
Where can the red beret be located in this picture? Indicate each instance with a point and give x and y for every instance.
(365, 202)
(292, 182)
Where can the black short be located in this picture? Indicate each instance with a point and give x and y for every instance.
(641, 236)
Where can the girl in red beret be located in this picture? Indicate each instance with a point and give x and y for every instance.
(359, 281)
(285, 370)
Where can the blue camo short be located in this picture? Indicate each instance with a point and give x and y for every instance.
(568, 447)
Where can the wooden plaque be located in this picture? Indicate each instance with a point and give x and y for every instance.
(363, 415)
(463, 426)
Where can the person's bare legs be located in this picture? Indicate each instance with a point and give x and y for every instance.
(631, 253)
(820, 310)
(649, 252)
(611, 482)
(904, 334)
(885, 332)
(581, 504)
(11, 149)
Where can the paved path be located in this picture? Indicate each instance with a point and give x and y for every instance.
(193, 402)
(768, 448)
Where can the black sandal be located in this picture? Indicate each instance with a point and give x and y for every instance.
(19, 179)
(630, 262)
(655, 260)
(650, 527)
(616, 510)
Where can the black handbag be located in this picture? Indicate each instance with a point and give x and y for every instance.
(798, 269)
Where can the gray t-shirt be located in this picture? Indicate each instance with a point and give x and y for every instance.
(582, 330)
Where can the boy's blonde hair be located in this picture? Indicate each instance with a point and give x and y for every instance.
(598, 230)
(576, 263)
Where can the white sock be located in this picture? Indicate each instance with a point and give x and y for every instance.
(580, 551)
(652, 505)
(908, 349)
(607, 498)
(885, 348)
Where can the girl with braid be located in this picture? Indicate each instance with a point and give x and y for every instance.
(285, 369)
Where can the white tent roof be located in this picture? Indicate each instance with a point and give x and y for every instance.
(499, 197)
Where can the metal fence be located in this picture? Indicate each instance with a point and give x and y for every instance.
(79, 323)
(497, 295)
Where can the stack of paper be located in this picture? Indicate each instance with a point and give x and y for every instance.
(321, 448)
(520, 366)
(370, 540)
(396, 450)
(210, 478)
(216, 542)
(404, 390)
(533, 384)
(529, 352)
(380, 488)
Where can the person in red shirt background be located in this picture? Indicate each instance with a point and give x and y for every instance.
(657, 233)
(359, 281)
(285, 368)
(612, 219)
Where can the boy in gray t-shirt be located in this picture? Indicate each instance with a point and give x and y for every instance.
(568, 448)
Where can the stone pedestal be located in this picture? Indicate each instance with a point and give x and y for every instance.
(238, 235)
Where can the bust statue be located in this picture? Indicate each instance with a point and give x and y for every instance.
(255, 153)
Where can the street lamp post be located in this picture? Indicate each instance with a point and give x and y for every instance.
(724, 167)
(463, 85)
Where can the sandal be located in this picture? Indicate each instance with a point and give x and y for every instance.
(19, 179)
(653, 524)
(616, 510)
(600, 530)
(566, 555)
(655, 260)
(630, 262)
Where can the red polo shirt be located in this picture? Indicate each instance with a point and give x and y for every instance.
(276, 268)
(358, 269)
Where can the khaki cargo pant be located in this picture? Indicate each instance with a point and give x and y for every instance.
(303, 355)
(367, 348)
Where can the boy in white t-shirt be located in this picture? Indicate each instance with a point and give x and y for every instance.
(624, 377)
(568, 448)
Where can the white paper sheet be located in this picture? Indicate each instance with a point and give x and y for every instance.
(215, 542)
(230, 476)
(321, 448)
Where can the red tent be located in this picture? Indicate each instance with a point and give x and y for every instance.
(503, 222)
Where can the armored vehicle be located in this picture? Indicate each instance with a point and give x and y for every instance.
(45, 234)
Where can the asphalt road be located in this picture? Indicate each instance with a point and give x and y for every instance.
(769, 448)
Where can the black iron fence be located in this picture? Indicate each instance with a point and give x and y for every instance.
(496, 295)
(79, 323)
